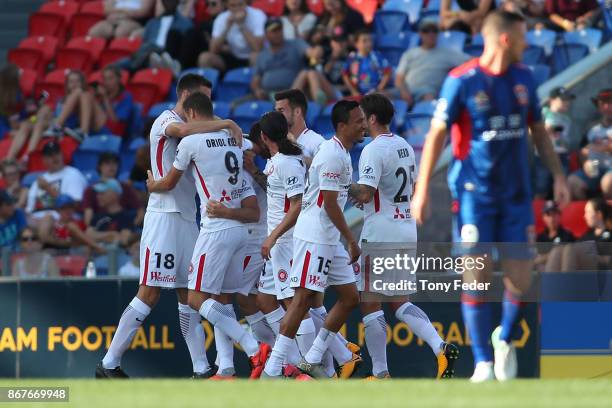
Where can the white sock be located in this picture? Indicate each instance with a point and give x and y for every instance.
(338, 346)
(224, 344)
(320, 346)
(305, 336)
(376, 340)
(274, 318)
(217, 315)
(194, 336)
(318, 320)
(131, 319)
(419, 323)
(260, 328)
(274, 365)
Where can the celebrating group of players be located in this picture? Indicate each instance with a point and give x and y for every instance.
(271, 240)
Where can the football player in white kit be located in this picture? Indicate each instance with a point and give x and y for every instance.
(168, 237)
(293, 105)
(319, 258)
(215, 161)
(387, 172)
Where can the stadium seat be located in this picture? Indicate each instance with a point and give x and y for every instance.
(565, 55)
(150, 86)
(128, 154)
(82, 22)
(452, 39)
(54, 85)
(541, 73)
(85, 158)
(248, 112)
(97, 77)
(272, 8)
(538, 208)
(433, 5)
(65, 9)
(27, 81)
(477, 39)
(606, 12)
(323, 124)
(314, 109)
(119, 48)
(533, 55)
(45, 44)
(223, 109)
(392, 46)
(410, 7)
(426, 107)
(71, 265)
(30, 178)
(47, 24)
(234, 85)
(74, 59)
(158, 108)
(316, 6)
(91, 176)
(93, 7)
(542, 38)
(417, 126)
(475, 50)
(367, 8)
(26, 58)
(209, 73)
(572, 218)
(401, 108)
(94, 46)
(390, 22)
(591, 37)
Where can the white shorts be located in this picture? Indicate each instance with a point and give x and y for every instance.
(281, 256)
(218, 262)
(315, 266)
(166, 247)
(252, 265)
(366, 281)
(266, 280)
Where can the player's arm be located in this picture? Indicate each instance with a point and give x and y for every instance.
(362, 193)
(180, 130)
(166, 183)
(335, 214)
(550, 158)
(247, 213)
(288, 222)
(249, 165)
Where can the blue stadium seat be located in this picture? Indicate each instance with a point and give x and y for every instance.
(136, 124)
(209, 73)
(128, 154)
(393, 46)
(222, 109)
(565, 55)
(314, 109)
(91, 176)
(475, 50)
(235, 84)
(411, 7)
(542, 38)
(86, 156)
(417, 126)
(158, 108)
(30, 178)
(401, 107)
(533, 55)
(433, 5)
(607, 19)
(477, 39)
(452, 39)
(541, 73)
(248, 112)
(425, 107)
(390, 22)
(591, 37)
(323, 124)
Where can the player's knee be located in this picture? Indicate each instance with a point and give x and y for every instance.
(149, 295)
(350, 299)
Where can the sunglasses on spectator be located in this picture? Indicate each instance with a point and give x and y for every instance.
(429, 30)
(28, 238)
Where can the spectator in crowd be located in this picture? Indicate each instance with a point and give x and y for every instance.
(341, 20)
(68, 229)
(115, 101)
(533, 10)
(35, 263)
(596, 213)
(58, 179)
(108, 167)
(124, 18)
(558, 124)
(237, 37)
(166, 42)
(468, 18)
(12, 182)
(131, 269)
(596, 170)
(112, 224)
(204, 28)
(421, 70)
(553, 232)
(570, 15)
(10, 98)
(365, 70)
(279, 64)
(297, 20)
(12, 221)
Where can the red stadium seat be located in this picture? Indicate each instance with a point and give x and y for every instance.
(97, 77)
(27, 81)
(316, 6)
(49, 24)
(572, 218)
(26, 58)
(93, 7)
(45, 44)
(538, 207)
(75, 59)
(63, 8)
(71, 265)
(82, 22)
(119, 48)
(94, 46)
(272, 8)
(367, 8)
(150, 86)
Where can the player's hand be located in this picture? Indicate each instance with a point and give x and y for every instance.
(419, 206)
(236, 132)
(267, 247)
(354, 252)
(214, 209)
(562, 194)
(150, 182)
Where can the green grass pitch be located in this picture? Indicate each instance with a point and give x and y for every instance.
(322, 394)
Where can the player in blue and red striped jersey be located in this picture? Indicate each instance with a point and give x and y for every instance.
(490, 103)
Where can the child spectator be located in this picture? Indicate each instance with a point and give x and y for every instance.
(35, 263)
(365, 71)
(131, 269)
(12, 221)
(12, 181)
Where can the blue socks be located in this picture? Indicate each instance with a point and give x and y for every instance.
(477, 317)
(511, 309)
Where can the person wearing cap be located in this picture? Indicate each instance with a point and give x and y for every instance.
(596, 171)
(279, 63)
(58, 179)
(108, 168)
(111, 223)
(237, 37)
(557, 123)
(421, 70)
(553, 232)
(12, 221)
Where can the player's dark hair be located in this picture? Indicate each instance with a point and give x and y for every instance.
(378, 105)
(341, 112)
(296, 99)
(274, 125)
(199, 103)
(255, 133)
(601, 206)
(191, 83)
(501, 21)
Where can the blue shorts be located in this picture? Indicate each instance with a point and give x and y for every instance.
(487, 224)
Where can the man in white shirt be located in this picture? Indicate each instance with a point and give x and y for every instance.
(237, 37)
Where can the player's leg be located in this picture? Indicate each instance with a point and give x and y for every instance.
(223, 343)
(375, 327)
(255, 318)
(266, 298)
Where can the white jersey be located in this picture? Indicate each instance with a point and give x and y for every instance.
(331, 170)
(216, 164)
(181, 198)
(309, 141)
(286, 176)
(388, 165)
(258, 229)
